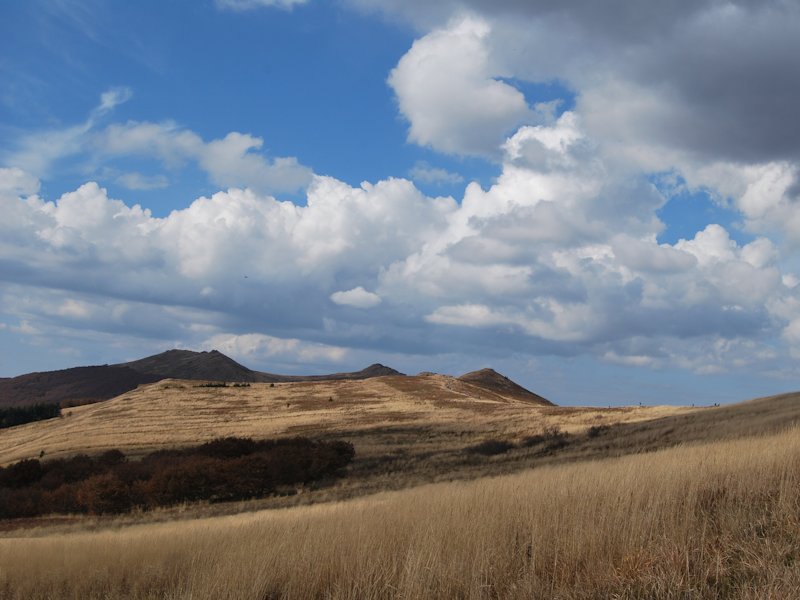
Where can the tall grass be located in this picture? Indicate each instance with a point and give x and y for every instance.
(713, 521)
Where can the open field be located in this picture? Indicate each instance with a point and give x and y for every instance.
(715, 520)
(406, 430)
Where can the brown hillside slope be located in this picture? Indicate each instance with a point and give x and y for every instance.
(492, 381)
(381, 415)
(79, 385)
(187, 364)
(84, 385)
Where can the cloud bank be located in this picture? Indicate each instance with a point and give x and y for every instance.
(560, 255)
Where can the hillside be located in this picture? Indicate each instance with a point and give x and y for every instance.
(186, 364)
(492, 381)
(215, 366)
(85, 385)
(407, 430)
(68, 387)
(409, 415)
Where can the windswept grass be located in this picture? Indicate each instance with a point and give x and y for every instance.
(719, 520)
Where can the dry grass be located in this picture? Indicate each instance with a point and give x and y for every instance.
(718, 520)
(176, 413)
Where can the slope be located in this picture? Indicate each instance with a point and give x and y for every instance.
(85, 385)
(492, 381)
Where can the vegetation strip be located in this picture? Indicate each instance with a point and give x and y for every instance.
(230, 468)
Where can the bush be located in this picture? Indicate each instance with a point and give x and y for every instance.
(21, 474)
(228, 447)
(551, 439)
(491, 447)
(596, 430)
(103, 494)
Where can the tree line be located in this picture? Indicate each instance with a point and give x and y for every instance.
(19, 415)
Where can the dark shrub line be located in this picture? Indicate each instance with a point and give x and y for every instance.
(224, 469)
(19, 415)
(550, 440)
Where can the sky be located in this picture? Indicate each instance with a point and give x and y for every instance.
(599, 200)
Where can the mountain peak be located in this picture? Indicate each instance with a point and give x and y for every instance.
(188, 364)
(491, 380)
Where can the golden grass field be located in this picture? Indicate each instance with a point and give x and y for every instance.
(172, 412)
(406, 430)
(664, 502)
(717, 520)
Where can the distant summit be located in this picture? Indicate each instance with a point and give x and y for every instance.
(214, 365)
(491, 380)
(186, 364)
(85, 385)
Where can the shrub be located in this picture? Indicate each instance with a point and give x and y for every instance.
(491, 447)
(551, 438)
(596, 430)
(21, 474)
(104, 493)
(228, 447)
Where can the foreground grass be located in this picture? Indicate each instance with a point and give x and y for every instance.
(719, 520)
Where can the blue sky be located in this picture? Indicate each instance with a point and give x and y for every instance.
(600, 204)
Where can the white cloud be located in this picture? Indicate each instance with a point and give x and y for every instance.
(230, 161)
(234, 160)
(260, 347)
(37, 152)
(16, 182)
(446, 87)
(112, 98)
(357, 297)
(561, 251)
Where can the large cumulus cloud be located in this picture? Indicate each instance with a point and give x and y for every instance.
(560, 255)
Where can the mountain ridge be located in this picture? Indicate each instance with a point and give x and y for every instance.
(90, 384)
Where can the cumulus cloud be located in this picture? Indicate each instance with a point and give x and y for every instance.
(16, 182)
(229, 161)
(560, 255)
(447, 89)
(358, 297)
(702, 88)
(232, 161)
(260, 347)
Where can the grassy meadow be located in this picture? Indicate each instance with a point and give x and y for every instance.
(714, 520)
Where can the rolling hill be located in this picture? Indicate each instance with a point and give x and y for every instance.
(85, 385)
